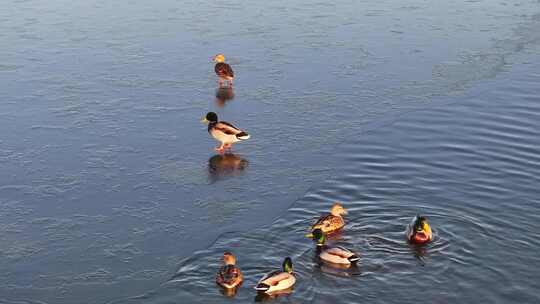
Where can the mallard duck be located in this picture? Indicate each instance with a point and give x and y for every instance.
(333, 255)
(278, 280)
(419, 231)
(223, 71)
(229, 275)
(331, 222)
(223, 132)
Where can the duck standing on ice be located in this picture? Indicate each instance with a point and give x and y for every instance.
(224, 71)
(224, 132)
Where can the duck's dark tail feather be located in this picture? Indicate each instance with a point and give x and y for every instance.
(242, 135)
(262, 287)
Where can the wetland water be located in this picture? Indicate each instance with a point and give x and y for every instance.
(110, 191)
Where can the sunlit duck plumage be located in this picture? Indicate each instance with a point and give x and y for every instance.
(333, 221)
(277, 280)
(333, 255)
(224, 132)
(224, 71)
(419, 231)
(229, 275)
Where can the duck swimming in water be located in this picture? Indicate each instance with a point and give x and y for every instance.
(229, 275)
(277, 280)
(334, 255)
(224, 132)
(419, 231)
(223, 71)
(331, 222)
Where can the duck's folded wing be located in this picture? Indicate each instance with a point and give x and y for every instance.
(265, 282)
(339, 251)
(229, 70)
(269, 275)
(323, 221)
(343, 253)
(224, 70)
(227, 128)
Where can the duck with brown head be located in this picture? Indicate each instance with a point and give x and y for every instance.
(229, 275)
(224, 71)
(332, 222)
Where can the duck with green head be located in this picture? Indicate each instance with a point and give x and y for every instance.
(277, 280)
(224, 132)
(333, 255)
(419, 231)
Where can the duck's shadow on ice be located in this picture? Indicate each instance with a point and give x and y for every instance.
(223, 95)
(225, 165)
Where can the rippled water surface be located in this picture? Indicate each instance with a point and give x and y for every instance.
(471, 166)
(111, 192)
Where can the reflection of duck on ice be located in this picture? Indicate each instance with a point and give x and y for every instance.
(223, 95)
(226, 164)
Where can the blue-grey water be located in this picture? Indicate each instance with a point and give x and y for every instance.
(110, 191)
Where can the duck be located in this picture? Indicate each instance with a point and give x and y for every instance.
(277, 280)
(229, 275)
(331, 222)
(334, 255)
(419, 232)
(224, 71)
(224, 132)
